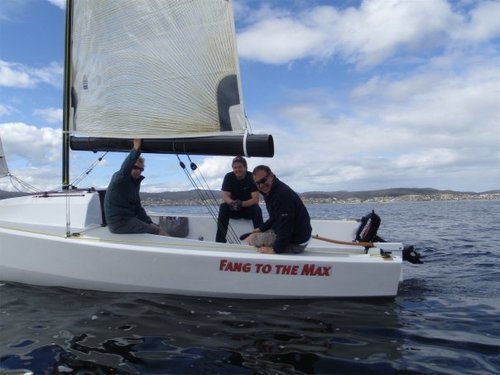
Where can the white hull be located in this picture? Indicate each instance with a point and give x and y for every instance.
(96, 259)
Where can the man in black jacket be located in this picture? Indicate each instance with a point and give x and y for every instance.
(288, 229)
(122, 203)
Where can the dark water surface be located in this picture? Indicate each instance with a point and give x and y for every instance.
(445, 320)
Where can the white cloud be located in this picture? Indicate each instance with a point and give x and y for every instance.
(365, 35)
(37, 146)
(33, 156)
(51, 115)
(429, 158)
(483, 23)
(58, 3)
(15, 75)
(438, 102)
(52, 74)
(21, 76)
(5, 110)
(432, 126)
(278, 48)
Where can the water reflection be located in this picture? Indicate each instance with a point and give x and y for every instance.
(132, 333)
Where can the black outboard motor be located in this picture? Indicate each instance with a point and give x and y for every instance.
(367, 232)
(411, 255)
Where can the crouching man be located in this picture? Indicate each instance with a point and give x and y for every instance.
(288, 229)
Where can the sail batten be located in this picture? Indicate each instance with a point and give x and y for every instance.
(154, 69)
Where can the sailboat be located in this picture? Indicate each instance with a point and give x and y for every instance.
(167, 72)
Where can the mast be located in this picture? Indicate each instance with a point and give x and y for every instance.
(66, 97)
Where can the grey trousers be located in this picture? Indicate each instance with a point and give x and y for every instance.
(268, 237)
(133, 225)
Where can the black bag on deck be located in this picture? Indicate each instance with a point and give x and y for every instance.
(175, 226)
(367, 230)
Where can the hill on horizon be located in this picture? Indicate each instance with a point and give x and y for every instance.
(340, 194)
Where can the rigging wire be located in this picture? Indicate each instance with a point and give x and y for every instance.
(22, 186)
(76, 181)
(200, 191)
(206, 195)
(25, 187)
(210, 196)
(88, 170)
(68, 215)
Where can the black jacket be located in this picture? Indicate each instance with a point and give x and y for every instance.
(122, 200)
(288, 216)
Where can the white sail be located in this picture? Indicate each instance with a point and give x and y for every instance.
(4, 170)
(154, 69)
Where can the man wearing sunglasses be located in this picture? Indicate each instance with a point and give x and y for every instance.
(288, 229)
(122, 203)
(241, 198)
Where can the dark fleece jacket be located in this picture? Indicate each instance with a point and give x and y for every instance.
(288, 216)
(122, 200)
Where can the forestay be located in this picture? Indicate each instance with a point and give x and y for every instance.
(154, 69)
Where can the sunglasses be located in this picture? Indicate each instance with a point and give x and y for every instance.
(138, 168)
(263, 180)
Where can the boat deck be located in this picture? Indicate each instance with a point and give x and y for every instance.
(101, 236)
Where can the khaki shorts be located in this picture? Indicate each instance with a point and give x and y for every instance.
(268, 237)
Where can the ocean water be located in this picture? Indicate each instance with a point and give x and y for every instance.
(445, 319)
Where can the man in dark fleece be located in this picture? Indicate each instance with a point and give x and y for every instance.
(288, 229)
(122, 203)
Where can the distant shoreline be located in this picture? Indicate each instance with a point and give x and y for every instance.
(149, 199)
(192, 197)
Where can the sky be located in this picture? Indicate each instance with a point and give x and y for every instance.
(358, 95)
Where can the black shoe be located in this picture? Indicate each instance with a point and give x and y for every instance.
(245, 235)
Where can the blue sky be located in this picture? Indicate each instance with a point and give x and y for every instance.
(359, 95)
